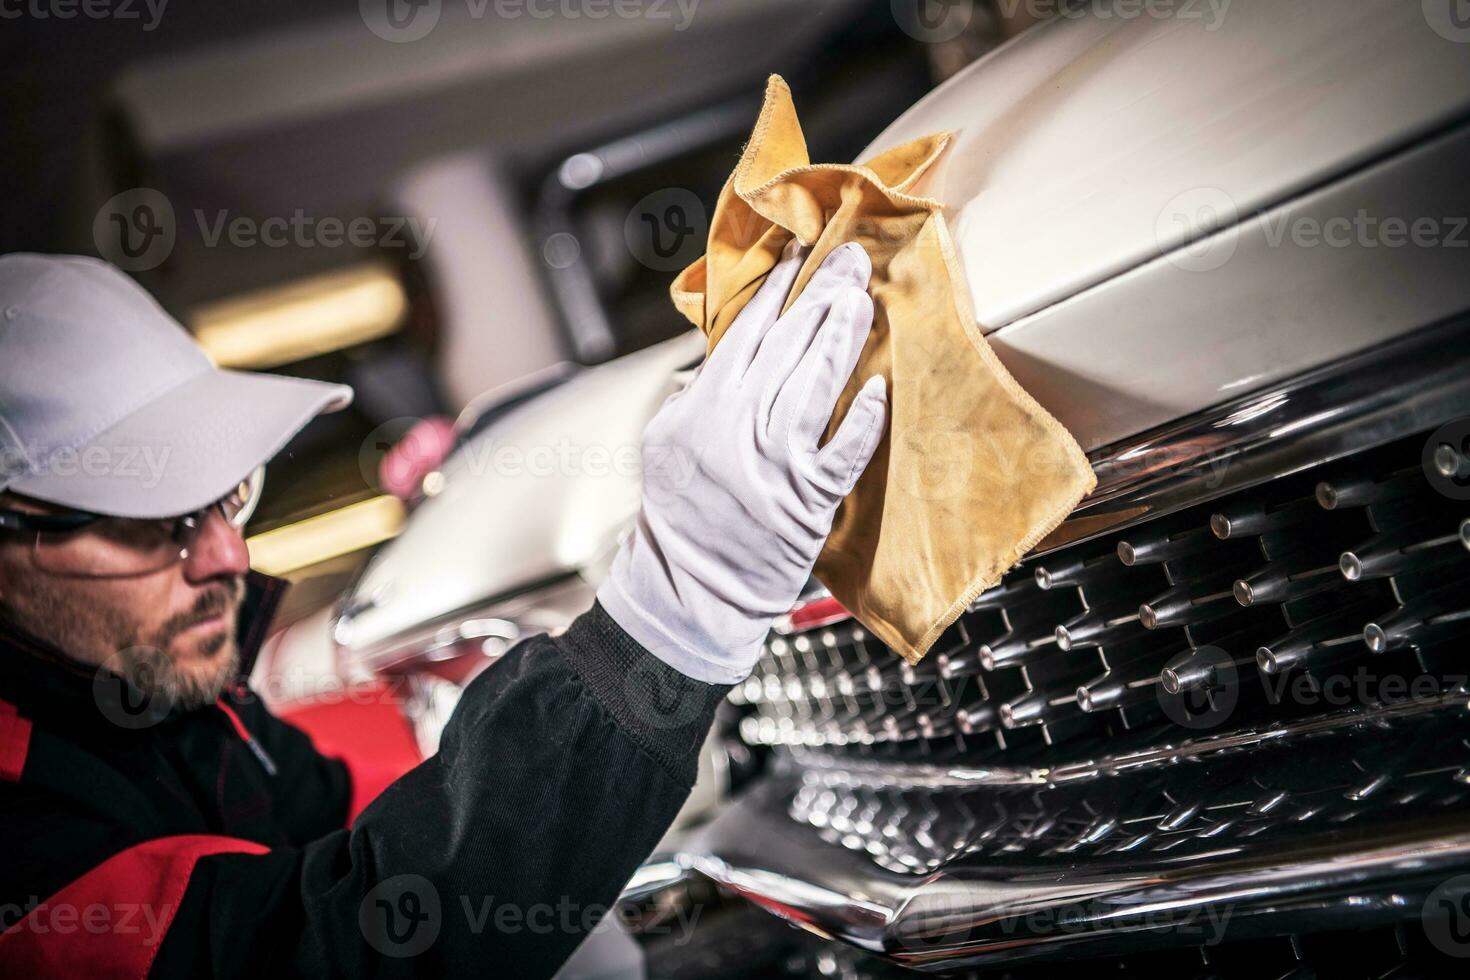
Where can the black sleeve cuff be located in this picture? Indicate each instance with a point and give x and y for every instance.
(665, 712)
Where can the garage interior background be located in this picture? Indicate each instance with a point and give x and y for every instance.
(416, 215)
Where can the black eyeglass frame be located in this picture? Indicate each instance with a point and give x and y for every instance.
(19, 520)
(77, 520)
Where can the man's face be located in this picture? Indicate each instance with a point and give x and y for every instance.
(170, 632)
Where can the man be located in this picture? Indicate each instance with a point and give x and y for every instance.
(203, 837)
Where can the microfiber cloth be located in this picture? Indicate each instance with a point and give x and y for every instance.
(972, 472)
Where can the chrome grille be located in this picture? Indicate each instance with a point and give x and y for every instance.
(1232, 686)
(1181, 801)
(1342, 585)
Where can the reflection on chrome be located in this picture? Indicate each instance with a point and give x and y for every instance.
(944, 868)
(1133, 741)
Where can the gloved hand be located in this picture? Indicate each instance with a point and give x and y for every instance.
(737, 497)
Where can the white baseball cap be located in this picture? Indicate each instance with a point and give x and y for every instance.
(108, 406)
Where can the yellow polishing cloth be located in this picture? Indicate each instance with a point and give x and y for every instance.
(972, 472)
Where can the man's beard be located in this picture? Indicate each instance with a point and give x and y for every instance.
(53, 615)
(155, 675)
(149, 668)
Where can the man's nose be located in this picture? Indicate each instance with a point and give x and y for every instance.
(218, 551)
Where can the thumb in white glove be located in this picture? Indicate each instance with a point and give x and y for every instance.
(738, 497)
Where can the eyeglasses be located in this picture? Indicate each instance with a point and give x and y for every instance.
(86, 545)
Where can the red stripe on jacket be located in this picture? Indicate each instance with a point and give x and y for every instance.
(15, 742)
(367, 732)
(131, 899)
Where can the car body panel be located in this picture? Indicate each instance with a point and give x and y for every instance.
(543, 492)
(1166, 340)
(1072, 142)
(1151, 211)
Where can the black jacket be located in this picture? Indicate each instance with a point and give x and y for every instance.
(180, 848)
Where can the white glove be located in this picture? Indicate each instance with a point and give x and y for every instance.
(737, 497)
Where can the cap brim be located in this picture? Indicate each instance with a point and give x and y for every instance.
(186, 449)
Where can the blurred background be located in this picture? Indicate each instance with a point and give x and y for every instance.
(429, 200)
(459, 206)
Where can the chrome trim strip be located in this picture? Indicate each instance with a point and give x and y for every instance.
(1196, 750)
(658, 874)
(1000, 904)
(919, 775)
(916, 775)
(970, 917)
(976, 915)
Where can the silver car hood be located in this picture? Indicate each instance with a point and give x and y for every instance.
(1127, 195)
(1072, 141)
